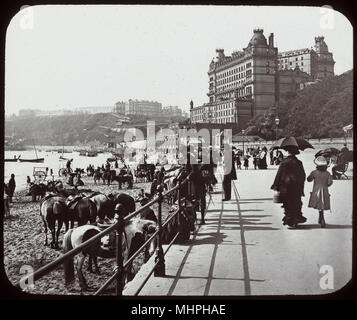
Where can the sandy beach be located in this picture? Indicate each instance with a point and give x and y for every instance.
(24, 243)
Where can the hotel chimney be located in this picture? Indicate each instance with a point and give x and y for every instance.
(271, 40)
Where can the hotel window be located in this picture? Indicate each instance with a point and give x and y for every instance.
(302, 63)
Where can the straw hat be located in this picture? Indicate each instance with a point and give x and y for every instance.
(320, 161)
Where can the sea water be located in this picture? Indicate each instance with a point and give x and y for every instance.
(51, 161)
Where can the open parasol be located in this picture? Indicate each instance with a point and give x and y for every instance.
(328, 152)
(282, 143)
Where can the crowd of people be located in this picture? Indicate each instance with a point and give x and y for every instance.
(258, 156)
(288, 183)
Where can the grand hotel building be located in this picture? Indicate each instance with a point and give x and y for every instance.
(248, 82)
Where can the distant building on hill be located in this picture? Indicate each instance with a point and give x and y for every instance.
(317, 62)
(139, 107)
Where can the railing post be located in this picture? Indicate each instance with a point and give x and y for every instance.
(179, 205)
(119, 217)
(179, 196)
(160, 268)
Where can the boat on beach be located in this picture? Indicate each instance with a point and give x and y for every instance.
(12, 159)
(37, 159)
(41, 160)
(92, 153)
(63, 158)
(89, 153)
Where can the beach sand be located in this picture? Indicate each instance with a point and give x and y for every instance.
(24, 244)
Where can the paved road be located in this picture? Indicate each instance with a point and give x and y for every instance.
(243, 249)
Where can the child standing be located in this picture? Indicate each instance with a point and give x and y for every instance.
(320, 197)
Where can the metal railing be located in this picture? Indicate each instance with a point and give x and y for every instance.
(118, 227)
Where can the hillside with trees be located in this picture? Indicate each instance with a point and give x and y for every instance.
(318, 111)
(73, 129)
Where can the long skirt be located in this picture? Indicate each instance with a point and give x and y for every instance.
(292, 208)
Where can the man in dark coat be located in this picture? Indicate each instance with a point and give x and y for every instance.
(289, 181)
(161, 175)
(11, 187)
(153, 187)
(68, 165)
(234, 172)
(229, 175)
(199, 190)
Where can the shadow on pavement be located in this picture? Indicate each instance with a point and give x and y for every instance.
(317, 226)
(210, 238)
(259, 199)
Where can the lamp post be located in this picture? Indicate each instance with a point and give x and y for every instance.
(277, 121)
(243, 132)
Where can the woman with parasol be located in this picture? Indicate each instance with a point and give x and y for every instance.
(290, 179)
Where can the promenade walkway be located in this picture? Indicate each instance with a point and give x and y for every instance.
(243, 249)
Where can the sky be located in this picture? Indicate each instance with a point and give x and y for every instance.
(70, 56)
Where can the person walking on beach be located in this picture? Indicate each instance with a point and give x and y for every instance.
(289, 181)
(68, 165)
(12, 186)
(320, 197)
(28, 183)
(6, 201)
(107, 166)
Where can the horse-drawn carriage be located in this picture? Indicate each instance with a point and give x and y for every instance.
(39, 174)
